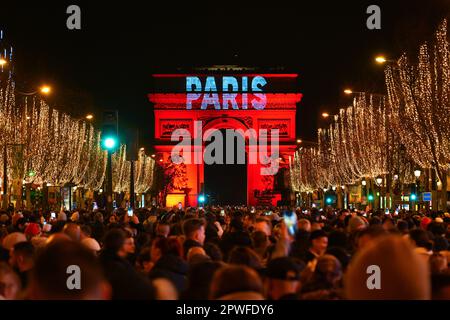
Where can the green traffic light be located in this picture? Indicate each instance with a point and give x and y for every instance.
(109, 143)
(370, 197)
(413, 197)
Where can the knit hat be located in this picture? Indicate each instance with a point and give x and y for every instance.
(32, 229)
(11, 239)
(425, 222)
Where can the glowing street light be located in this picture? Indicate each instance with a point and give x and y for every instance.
(417, 173)
(325, 115)
(90, 116)
(299, 141)
(45, 89)
(379, 180)
(380, 59)
(348, 91)
(3, 62)
(364, 182)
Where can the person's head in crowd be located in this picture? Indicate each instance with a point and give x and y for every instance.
(340, 254)
(10, 284)
(22, 256)
(32, 230)
(113, 219)
(86, 231)
(249, 221)
(91, 244)
(194, 229)
(236, 283)
(437, 228)
(424, 222)
(260, 242)
(162, 246)
(199, 279)
(378, 272)
(388, 224)
(318, 242)
(144, 261)
(328, 271)
(213, 251)
(245, 256)
(440, 244)
(162, 229)
(196, 253)
(73, 230)
(236, 225)
(99, 217)
(438, 263)
(11, 239)
(264, 225)
(282, 278)
(75, 217)
(355, 224)
(337, 239)
(304, 225)
(62, 216)
(368, 235)
(164, 289)
(59, 236)
(66, 270)
(402, 226)
(375, 221)
(114, 242)
(421, 239)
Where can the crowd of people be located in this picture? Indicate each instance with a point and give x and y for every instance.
(226, 253)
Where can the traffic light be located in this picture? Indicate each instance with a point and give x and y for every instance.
(413, 197)
(110, 136)
(328, 200)
(201, 199)
(370, 197)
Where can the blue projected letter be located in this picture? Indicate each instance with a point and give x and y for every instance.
(257, 84)
(230, 97)
(190, 83)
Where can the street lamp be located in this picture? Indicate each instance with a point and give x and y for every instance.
(417, 173)
(380, 59)
(379, 180)
(325, 115)
(45, 89)
(364, 182)
(3, 62)
(348, 91)
(299, 141)
(89, 116)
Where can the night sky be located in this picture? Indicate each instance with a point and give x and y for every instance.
(109, 62)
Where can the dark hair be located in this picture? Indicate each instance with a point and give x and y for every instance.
(213, 251)
(245, 256)
(338, 239)
(232, 279)
(192, 225)
(49, 275)
(114, 239)
(421, 238)
(25, 249)
(199, 280)
(259, 239)
(317, 234)
(402, 226)
(168, 245)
